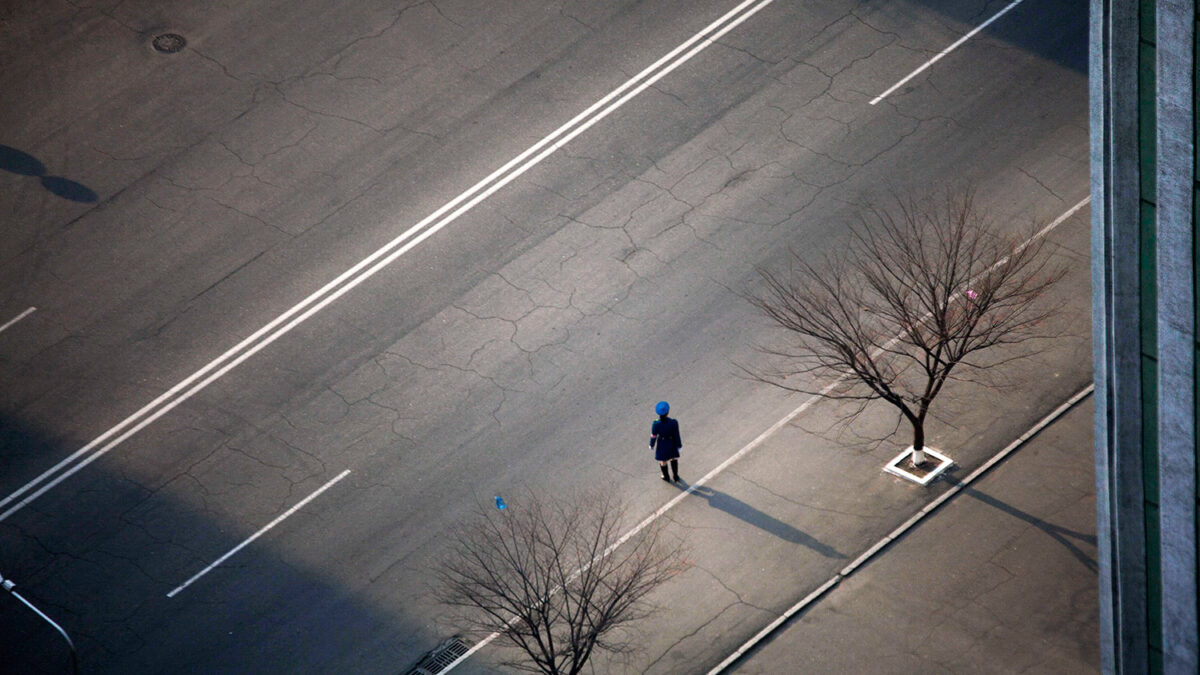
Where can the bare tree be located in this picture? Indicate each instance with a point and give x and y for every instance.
(922, 287)
(554, 578)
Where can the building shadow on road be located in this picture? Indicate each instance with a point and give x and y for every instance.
(1057, 532)
(1023, 29)
(100, 553)
(752, 516)
(25, 164)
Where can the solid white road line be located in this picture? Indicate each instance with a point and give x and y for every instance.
(382, 257)
(17, 318)
(946, 51)
(260, 533)
(907, 525)
(754, 444)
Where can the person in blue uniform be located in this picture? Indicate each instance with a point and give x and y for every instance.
(665, 441)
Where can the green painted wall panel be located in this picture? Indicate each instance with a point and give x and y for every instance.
(1146, 120)
(1148, 298)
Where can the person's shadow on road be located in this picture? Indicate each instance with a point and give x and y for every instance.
(24, 164)
(752, 516)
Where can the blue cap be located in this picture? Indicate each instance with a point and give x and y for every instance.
(662, 408)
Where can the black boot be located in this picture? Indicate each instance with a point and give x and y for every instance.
(674, 469)
(666, 476)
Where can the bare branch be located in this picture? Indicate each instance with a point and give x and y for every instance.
(922, 286)
(547, 576)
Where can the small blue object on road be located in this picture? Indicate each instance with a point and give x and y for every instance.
(500, 503)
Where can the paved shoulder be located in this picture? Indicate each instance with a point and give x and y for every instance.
(1001, 579)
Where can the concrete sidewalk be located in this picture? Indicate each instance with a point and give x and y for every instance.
(1000, 579)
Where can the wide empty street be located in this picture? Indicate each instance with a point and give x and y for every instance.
(279, 307)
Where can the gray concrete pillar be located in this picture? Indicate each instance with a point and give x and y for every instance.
(1113, 83)
(1175, 270)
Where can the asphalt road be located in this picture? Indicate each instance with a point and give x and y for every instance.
(160, 208)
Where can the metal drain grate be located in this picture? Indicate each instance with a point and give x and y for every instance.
(169, 43)
(437, 660)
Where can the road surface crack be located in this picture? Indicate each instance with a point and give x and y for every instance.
(1037, 180)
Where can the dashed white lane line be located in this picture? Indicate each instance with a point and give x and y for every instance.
(17, 318)
(761, 438)
(260, 533)
(378, 260)
(946, 51)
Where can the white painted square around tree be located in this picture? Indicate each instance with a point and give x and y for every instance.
(944, 462)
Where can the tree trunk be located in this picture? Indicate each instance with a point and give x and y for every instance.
(918, 456)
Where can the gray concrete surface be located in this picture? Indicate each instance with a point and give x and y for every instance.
(1001, 579)
(521, 347)
(789, 515)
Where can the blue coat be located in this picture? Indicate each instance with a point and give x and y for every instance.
(665, 438)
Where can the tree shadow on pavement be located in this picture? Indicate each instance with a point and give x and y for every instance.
(1056, 532)
(752, 516)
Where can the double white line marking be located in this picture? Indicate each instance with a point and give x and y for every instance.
(381, 258)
